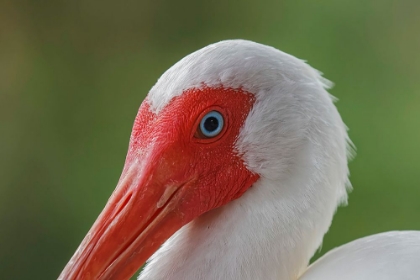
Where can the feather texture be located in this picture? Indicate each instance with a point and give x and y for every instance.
(295, 139)
(387, 256)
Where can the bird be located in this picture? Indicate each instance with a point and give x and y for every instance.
(237, 162)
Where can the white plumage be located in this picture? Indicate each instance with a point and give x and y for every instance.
(386, 256)
(295, 140)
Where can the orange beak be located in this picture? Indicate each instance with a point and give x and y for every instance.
(169, 179)
(145, 206)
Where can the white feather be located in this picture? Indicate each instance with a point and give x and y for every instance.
(387, 256)
(294, 139)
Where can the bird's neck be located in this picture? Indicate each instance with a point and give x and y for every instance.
(271, 232)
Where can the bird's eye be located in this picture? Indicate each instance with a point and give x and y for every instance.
(210, 125)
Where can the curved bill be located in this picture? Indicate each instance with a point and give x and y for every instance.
(146, 205)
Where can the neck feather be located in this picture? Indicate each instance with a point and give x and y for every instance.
(271, 232)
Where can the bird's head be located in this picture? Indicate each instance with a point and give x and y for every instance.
(216, 122)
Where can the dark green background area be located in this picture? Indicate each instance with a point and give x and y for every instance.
(73, 74)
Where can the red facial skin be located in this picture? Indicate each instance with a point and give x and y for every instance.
(171, 176)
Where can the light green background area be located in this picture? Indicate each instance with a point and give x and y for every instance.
(73, 74)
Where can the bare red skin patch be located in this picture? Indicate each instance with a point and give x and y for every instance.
(170, 177)
(220, 170)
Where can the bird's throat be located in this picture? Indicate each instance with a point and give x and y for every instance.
(246, 239)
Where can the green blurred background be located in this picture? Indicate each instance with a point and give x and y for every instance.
(73, 74)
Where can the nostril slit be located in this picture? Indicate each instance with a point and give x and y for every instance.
(169, 191)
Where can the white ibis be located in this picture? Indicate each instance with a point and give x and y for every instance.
(236, 164)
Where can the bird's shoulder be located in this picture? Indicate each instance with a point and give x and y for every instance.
(387, 256)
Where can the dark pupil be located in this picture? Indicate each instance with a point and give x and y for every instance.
(211, 124)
